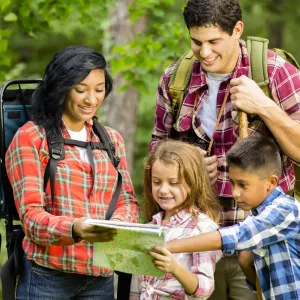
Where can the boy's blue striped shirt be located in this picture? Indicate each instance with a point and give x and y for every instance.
(273, 233)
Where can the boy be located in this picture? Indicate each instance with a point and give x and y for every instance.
(272, 231)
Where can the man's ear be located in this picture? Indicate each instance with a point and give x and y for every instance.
(238, 30)
(272, 182)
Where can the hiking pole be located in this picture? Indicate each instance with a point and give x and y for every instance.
(243, 133)
(243, 124)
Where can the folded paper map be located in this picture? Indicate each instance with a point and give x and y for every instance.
(128, 252)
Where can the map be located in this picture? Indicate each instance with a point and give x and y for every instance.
(128, 252)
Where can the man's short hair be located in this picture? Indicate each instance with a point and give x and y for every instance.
(225, 13)
(256, 154)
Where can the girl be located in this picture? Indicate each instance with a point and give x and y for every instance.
(179, 196)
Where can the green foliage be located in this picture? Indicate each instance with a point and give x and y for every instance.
(141, 60)
(140, 8)
(32, 21)
(27, 26)
(258, 15)
(31, 31)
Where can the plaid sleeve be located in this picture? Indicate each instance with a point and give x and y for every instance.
(204, 264)
(274, 224)
(127, 208)
(26, 175)
(285, 86)
(163, 111)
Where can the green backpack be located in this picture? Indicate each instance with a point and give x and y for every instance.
(258, 52)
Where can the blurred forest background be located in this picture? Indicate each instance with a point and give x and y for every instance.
(139, 38)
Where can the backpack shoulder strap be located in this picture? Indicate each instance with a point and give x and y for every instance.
(287, 56)
(258, 53)
(56, 153)
(180, 80)
(104, 137)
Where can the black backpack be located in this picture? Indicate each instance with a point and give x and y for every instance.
(14, 113)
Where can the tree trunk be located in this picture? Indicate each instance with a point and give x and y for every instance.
(120, 109)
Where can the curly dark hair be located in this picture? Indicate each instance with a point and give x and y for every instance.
(67, 68)
(225, 13)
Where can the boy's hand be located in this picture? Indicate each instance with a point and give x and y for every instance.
(246, 262)
(246, 258)
(164, 260)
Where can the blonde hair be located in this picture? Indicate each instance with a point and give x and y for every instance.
(201, 197)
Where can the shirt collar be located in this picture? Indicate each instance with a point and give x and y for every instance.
(88, 125)
(272, 196)
(179, 218)
(199, 79)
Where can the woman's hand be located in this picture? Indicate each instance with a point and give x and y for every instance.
(91, 233)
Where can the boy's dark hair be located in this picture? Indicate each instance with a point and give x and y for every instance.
(255, 153)
(67, 68)
(225, 13)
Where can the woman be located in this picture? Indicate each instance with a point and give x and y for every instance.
(58, 245)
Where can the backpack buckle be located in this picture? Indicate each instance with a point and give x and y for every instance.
(116, 161)
(56, 153)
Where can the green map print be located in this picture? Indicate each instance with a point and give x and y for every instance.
(128, 252)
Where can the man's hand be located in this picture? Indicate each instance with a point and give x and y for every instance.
(164, 260)
(211, 164)
(92, 233)
(247, 96)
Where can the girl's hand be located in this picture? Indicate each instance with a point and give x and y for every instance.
(91, 233)
(164, 260)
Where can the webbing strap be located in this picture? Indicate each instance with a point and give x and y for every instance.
(57, 153)
(107, 144)
(180, 79)
(258, 52)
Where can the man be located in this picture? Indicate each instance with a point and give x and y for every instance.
(222, 63)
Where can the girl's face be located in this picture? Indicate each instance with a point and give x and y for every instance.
(83, 100)
(167, 189)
